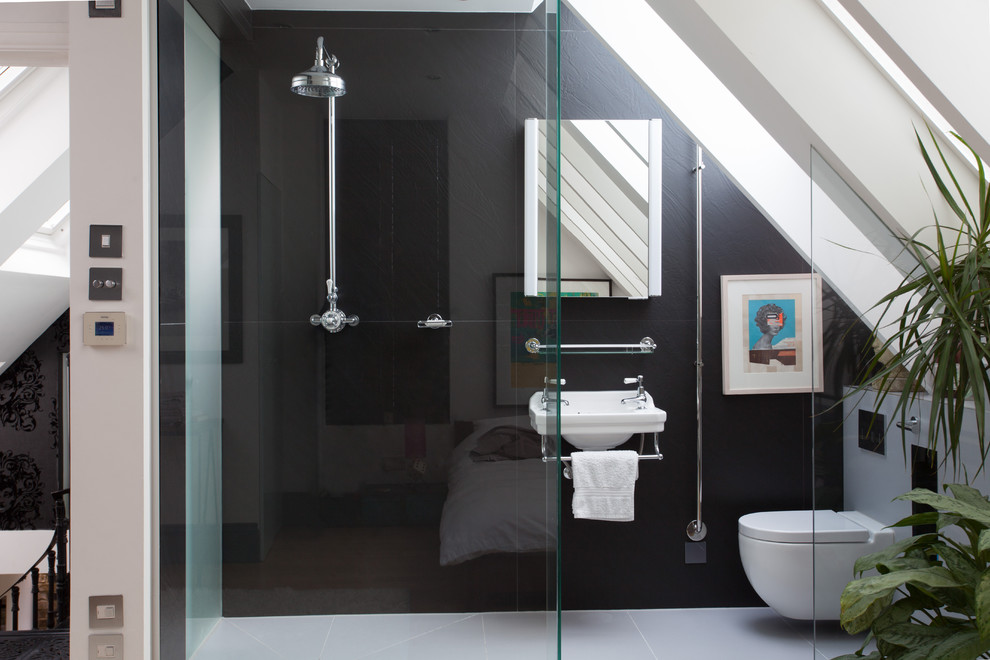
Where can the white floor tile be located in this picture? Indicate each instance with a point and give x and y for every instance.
(755, 633)
(831, 640)
(463, 640)
(602, 634)
(520, 635)
(359, 636)
(228, 642)
(292, 637)
(717, 634)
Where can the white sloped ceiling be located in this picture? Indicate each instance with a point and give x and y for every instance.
(34, 187)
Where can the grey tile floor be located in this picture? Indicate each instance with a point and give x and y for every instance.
(697, 634)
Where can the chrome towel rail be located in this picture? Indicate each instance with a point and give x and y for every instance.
(645, 345)
(656, 456)
(696, 529)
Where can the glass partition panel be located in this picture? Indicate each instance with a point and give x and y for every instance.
(736, 386)
(203, 343)
(381, 461)
(191, 337)
(859, 464)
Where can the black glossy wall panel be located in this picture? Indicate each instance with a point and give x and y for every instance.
(393, 265)
(308, 415)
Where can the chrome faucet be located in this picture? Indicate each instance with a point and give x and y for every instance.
(640, 393)
(545, 399)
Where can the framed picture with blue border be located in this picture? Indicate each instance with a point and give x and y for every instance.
(771, 333)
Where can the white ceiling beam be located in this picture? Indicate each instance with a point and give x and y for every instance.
(460, 6)
(34, 33)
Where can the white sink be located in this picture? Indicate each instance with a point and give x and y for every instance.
(594, 421)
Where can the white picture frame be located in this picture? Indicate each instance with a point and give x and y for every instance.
(771, 334)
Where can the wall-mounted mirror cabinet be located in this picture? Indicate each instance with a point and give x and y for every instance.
(610, 186)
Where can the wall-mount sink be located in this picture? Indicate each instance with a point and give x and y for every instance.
(596, 420)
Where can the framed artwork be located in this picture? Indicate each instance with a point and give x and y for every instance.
(518, 373)
(771, 333)
(172, 301)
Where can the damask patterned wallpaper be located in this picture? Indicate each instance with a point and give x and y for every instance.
(30, 422)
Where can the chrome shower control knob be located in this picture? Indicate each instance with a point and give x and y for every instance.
(314, 319)
(334, 320)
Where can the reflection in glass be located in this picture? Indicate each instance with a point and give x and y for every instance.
(610, 182)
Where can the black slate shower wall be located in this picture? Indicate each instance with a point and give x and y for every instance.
(481, 75)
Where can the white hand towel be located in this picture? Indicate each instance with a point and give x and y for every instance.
(603, 484)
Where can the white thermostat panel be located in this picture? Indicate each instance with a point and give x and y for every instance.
(104, 328)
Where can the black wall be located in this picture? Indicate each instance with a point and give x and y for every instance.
(31, 431)
(481, 75)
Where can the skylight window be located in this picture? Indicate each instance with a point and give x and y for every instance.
(52, 224)
(10, 75)
(894, 74)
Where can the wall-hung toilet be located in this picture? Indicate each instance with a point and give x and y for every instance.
(785, 567)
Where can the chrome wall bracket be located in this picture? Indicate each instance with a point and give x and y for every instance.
(434, 322)
(697, 530)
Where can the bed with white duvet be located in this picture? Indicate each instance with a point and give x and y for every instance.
(501, 495)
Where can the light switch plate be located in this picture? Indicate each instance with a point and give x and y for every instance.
(102, 606)
(106, 241)
(106, 283)
(106, 646)
(97, 10)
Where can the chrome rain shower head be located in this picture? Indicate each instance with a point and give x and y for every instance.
(320, 80)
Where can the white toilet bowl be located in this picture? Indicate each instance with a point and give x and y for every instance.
(798, 578)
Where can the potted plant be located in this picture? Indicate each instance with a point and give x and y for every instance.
(930, 597)
(939, 319)
(941, 581)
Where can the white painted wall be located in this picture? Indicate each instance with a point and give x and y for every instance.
(872, 481)
(110, 392)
